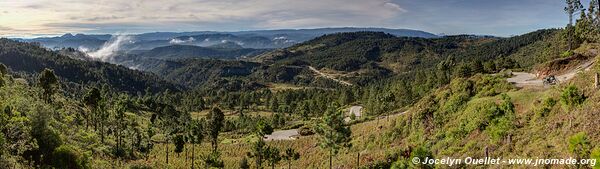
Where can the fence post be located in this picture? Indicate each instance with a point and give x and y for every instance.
(596, 80)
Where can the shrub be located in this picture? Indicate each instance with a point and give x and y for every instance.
(547, 105)
(244, 164)
(118, 151)
(140, 166)
(401, 164)
(571, 97)
(502, 120)
(566, 54)
(3, 69)
(500, 127)
(579, 145)
(305, 131)
(1, 144)
(214, 160)
(487, 85)
(179, 144)
(462, 85)
(421, 152)
(67, 157)
(596, 155)
(1, 80)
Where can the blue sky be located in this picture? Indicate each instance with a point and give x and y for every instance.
(490, 17)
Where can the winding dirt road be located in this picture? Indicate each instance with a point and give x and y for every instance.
(329, 76)
(523, 79)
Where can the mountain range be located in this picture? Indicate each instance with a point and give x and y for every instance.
(247, 39)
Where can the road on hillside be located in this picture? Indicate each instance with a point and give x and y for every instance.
(356, 110)
(523, 79)
(282, 135)
(329, 76)
(292, 134)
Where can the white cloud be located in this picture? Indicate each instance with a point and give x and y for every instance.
(394, 6)
(108, 50)
(179, 41)
(208, 14)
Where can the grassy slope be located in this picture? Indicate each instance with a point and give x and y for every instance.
(369, 139)
(536, 135)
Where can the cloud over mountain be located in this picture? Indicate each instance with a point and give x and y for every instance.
(88, 15)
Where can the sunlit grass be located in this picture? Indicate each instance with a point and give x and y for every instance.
(369, 138)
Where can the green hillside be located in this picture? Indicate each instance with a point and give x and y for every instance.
(31, 59)
(187, 51)
(479, 117)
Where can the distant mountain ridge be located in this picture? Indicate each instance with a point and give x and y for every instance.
(279, 38)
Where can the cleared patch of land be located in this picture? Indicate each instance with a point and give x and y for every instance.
(282, 135)
(329, 76)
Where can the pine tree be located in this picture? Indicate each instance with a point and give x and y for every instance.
(258, 152)
(3, 69)
(573, 6)
(594, 12)
(149, 145)
(92, 100)
(120, 122)
(47, 138)
(49, 84)
(290, 155)
(273, 156)
(346, 97)
(196, 136)
(215, 125)
(259, 148)
(333, 134)
(274, 104)
(179, 144)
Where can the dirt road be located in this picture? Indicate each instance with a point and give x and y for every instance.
(356, 110)
(282, 135)
(523, 79)
(329, 76)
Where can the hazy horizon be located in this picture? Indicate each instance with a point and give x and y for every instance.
(37, 18)
(217, 31)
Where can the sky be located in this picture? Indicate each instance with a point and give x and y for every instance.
(33, 18)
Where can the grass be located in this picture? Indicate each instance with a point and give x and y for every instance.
(231, 113)
(275, 87)
(369, 138)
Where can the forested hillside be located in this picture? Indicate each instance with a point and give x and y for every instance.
(32, 59)
(186, 51)
(366, 58)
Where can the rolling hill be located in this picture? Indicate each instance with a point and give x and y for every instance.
(32, 59)
(188, 51)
